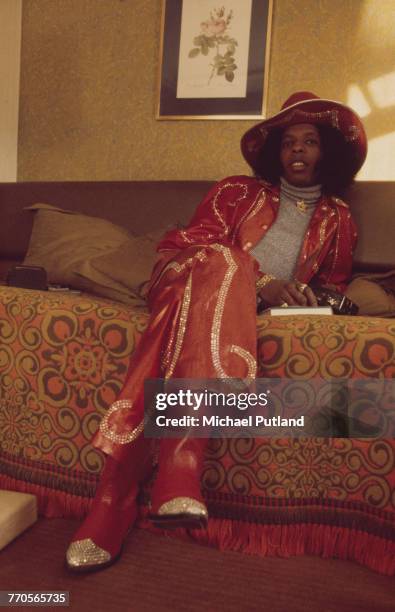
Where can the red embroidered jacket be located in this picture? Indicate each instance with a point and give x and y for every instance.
(240, 210)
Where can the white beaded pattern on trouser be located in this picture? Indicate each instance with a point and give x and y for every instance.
(217, 319)
(124, 438)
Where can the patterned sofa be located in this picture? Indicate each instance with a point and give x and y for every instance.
(63, 358)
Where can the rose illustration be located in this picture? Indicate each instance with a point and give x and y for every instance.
(213, 27)
(214, 36)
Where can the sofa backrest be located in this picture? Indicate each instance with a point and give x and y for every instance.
(142, 206)
(372, 205)
(139, 206)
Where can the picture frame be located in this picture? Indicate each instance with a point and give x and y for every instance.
(214, 59)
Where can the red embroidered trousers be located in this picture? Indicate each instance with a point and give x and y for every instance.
(202, 325)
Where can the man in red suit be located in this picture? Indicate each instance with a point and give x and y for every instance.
(266, 238)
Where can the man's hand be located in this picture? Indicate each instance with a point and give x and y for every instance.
(278, 292)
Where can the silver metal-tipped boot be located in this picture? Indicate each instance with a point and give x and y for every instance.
(181, 512)
(85, 555)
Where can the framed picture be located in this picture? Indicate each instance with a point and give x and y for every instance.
(214, 59)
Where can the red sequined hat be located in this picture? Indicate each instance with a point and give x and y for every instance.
(306, 107)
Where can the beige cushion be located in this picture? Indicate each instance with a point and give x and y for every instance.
(67, 244)
(372, 297)
(131, 263)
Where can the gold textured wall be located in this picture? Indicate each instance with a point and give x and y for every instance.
(89, 83)
(10, 45)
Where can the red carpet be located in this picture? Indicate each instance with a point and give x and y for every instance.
(157, 573)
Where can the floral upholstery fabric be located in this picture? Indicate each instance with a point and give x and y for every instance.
(338, 347)
(327, 496)
(63, 360)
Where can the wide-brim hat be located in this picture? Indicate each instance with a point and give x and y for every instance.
(306, 107)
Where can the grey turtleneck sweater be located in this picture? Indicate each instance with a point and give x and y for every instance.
(277, 253)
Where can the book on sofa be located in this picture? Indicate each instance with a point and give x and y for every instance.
(18, 511)
(297, 310)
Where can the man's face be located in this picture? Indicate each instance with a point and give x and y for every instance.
(300, 154)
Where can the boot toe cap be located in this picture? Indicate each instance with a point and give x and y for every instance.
(85, 554)
(183, 505)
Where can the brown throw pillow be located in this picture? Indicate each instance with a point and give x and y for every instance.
(371, 297)
(131, 263)
(67, 244)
